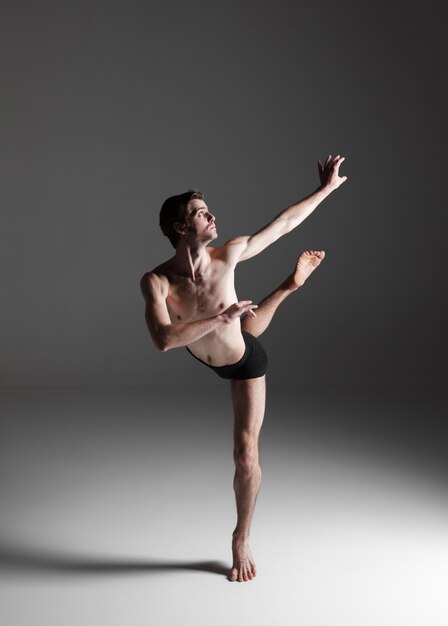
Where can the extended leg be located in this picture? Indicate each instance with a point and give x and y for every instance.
(249, 398)
(305, 265)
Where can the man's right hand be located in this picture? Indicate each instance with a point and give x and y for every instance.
(236, 310)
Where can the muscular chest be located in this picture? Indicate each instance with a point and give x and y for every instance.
(207, 295)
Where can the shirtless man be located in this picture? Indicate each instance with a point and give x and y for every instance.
(191, 302)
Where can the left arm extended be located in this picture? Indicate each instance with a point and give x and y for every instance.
(290, 218)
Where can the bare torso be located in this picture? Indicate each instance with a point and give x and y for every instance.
(211, 292)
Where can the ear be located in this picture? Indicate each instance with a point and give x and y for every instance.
(180, 228)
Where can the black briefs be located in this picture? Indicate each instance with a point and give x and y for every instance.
(253, 363)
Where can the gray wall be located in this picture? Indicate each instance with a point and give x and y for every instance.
(109, 107)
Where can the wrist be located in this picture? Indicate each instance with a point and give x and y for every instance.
(325, 189)
(221, 319)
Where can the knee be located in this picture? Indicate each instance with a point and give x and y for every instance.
(248, 325)
(246, 458)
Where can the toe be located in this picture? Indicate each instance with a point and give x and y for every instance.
(233, 574)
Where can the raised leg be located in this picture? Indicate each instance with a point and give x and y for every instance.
(249, 397)
(305, 265)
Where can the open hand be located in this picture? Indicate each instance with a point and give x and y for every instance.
(236, 310)
(329, 172)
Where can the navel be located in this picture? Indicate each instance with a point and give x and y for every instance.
(209, 358)
(179, 317)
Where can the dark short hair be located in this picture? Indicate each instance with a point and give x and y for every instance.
(173, 210)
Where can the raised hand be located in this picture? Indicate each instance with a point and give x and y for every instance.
(329, 172)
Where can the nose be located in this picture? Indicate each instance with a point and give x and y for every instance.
(211, 218)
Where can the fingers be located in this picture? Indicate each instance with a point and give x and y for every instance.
(331, 161)
(336, 167)
(337, 162)
(244, 302)
(241, 307)
(247, 308)
(238, 309)
(333, 166)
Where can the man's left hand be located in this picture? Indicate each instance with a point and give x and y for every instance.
(329, 172)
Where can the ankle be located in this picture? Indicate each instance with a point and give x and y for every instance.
(290, 284)
(240, 535)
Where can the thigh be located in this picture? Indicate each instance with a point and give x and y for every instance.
(249, 399)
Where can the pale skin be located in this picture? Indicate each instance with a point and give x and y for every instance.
(191, 301)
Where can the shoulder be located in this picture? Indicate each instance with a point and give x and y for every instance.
(232, 250)
(154, 284)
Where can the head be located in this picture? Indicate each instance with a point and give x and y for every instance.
(179, 215)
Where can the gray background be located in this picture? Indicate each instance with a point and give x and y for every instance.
(116, 503)
(109, 107)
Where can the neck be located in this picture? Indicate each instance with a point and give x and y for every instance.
(191, 260)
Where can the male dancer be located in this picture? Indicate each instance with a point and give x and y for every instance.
(191, 302)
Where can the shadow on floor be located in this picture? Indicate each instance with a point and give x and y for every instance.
(16, 560)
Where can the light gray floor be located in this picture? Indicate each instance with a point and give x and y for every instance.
(116, 507)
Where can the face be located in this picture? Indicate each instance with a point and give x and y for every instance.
(201, 221)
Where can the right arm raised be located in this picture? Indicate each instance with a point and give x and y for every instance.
(167, 335)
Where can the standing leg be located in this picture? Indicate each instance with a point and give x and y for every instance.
(306, 263)
(248, 398)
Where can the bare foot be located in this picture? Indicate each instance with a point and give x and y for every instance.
(243, 567)
(306, 264)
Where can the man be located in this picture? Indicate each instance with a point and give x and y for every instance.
(191, 302)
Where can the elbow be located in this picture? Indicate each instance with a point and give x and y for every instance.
(158, 336)
(161, 345)
(161, 342)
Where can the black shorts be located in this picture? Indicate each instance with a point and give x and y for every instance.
(253, 363)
